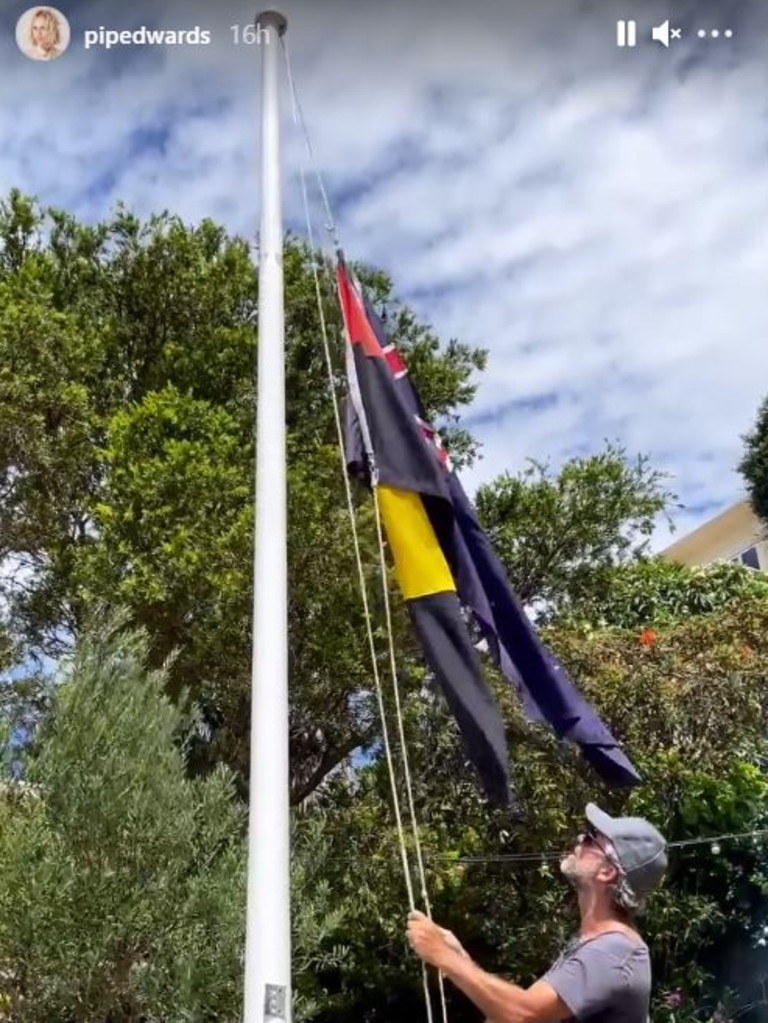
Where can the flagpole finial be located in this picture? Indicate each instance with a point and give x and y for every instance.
(272, 19)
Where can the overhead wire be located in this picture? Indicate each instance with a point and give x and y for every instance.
(533, 858)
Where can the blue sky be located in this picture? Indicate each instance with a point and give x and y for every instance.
(594, 216)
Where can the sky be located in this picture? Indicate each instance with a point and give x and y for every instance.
(592, 215)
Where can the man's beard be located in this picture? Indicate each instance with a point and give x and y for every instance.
(570, 870)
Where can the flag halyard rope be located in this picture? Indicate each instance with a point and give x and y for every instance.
(300, 123)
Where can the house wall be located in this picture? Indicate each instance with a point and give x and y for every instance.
(736, 533)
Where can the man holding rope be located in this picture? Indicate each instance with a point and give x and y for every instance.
(604, 973)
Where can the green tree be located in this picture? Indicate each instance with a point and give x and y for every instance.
(653, 591)
(687, 700)
(560, 535)
(126, 415)
(126, 412)
(122, 893)
(126, 430)
(754, 463)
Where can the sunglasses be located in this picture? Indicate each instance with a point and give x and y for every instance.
(590, 837)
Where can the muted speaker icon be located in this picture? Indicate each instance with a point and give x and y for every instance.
(660, 33)
(663, 33)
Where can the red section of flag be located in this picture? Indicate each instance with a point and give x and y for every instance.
(360, 331)
(395, 361)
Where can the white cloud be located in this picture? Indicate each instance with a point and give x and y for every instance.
(593, 216)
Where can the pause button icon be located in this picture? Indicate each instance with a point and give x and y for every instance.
(626, 33)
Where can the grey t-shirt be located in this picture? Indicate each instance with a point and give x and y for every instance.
(606, 979)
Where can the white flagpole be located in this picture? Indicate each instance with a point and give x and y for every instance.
(268, 920)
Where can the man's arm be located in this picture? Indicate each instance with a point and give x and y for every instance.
(501, 1001)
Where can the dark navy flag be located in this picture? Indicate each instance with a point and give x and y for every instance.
(409, 456)
(382, 433)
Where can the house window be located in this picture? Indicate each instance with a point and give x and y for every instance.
(750, 558)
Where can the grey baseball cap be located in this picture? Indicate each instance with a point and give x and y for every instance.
(640, 849)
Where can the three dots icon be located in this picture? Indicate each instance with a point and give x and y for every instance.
(714, 33)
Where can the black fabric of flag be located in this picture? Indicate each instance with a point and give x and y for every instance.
(424, 508)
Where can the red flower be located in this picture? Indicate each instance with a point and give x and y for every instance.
(648, 637)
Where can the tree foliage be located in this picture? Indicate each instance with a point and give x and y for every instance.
(653, 591)
(127, 353)
(126, 477)
(122, 894)
(754, 463)
(688, 699)
(561, 534)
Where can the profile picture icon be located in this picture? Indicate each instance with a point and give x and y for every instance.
(42, 33)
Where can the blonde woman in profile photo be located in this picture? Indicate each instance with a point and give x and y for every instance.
(45, 35)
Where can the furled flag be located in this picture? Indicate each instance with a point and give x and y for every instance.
(444, 561)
